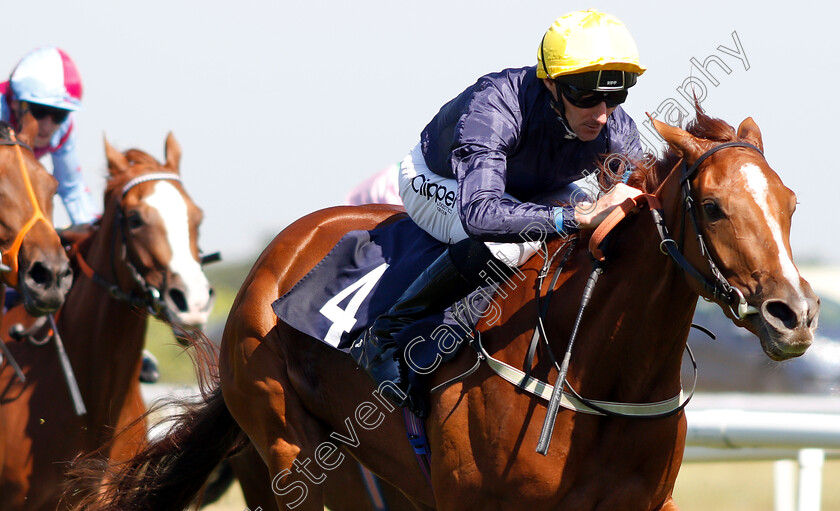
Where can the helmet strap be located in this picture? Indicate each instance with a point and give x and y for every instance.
(559, 106)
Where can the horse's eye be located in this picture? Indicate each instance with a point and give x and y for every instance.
(134, 220)
(712, 210)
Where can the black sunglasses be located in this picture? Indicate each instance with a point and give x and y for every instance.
(41, 112)
(587, 98)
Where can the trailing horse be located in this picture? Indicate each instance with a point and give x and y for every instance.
(714, 222)
(142, 260)
(33, 261)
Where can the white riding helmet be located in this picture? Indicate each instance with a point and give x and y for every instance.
(47, 76)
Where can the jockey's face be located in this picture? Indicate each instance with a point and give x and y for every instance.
(47, 126)
(585, 122)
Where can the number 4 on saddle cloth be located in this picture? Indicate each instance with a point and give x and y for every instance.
(361, 277)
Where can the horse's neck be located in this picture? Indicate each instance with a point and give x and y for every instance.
(642, 308)
(102, 335)
(633, 331)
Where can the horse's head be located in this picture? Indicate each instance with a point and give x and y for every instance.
(743, 211)
(37, 263)
(158, 222)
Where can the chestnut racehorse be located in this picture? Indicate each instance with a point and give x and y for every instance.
(33, 259)
(300, 401)
(142, 259)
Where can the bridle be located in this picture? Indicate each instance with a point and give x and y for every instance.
(149, 297)
(10, 263)
(719, 288)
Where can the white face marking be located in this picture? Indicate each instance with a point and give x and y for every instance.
(757, 186)
(172, 208)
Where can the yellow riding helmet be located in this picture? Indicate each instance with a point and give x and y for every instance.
(585, 41)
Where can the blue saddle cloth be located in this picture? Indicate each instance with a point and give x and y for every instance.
(360, 278)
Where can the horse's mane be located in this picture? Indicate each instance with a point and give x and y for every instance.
(139, 163)
(650, 172)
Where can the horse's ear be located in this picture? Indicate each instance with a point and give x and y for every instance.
(682, 142)
(172, 151)
(117, 162)
(748, 131)
(28, 129)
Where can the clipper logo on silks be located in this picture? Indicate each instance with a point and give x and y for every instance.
(443, 197)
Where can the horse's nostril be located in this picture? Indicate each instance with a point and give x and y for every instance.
(178, 298)
(783, 313)
(40, 274)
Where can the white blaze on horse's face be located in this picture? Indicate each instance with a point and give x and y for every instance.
(758, 187)
(187, 277)
(759, 252)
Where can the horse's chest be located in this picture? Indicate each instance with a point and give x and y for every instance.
(593, 463)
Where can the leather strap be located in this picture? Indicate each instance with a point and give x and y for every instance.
(614, 218)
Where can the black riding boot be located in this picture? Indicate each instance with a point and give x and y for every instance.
(449, 278)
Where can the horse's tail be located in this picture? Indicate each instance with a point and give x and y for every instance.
(171, 471)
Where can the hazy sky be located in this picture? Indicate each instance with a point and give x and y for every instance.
(281, 107)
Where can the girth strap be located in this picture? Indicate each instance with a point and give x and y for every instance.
(571, 402)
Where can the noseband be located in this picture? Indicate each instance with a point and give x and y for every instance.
(10, 258)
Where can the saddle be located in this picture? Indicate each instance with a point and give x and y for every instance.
(361, 277)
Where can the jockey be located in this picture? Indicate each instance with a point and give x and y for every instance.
(476, 177)
(47, 84)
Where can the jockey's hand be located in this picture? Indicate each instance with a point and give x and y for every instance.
(589, 215)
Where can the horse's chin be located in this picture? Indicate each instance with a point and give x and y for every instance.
(779, 345)
(37, 308)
